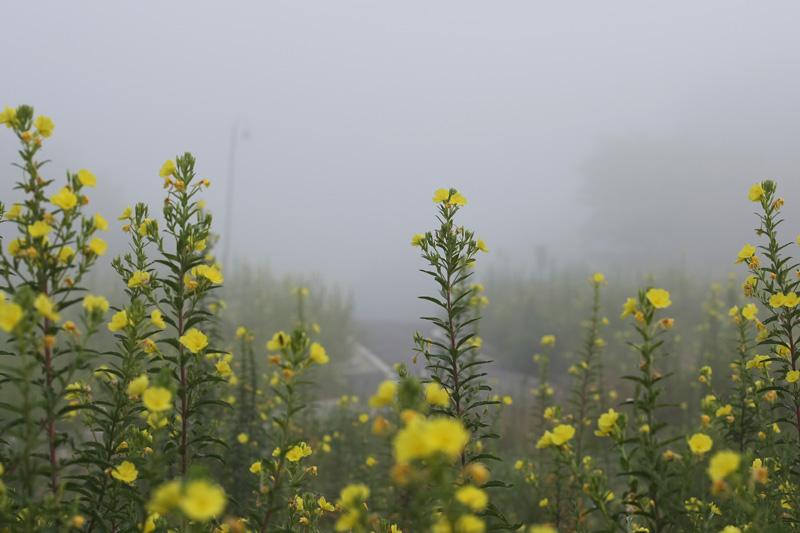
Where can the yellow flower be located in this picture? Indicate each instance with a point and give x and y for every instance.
(758, 361)
(548, 340)
(10, 315)
(87, 178)
(65, 199)
(628, 308)
(324, 505)
(46, 308)
(482, 246)
(562, 434)
(294, 454)
(8, 117)
(126, 471)
(746, 252)
(457, 199)
(223, 367)
(210, 273)
(138, 279)
(167, 169)
(157, 399)
(194, 340)
(724, 411)
(436, 395)
(14, 212)
(40, 228)
(469, 524)
(791, 300)
(165, 498)
(126, 213)
(749, 311)
(118, 321)
(242, 437)
(100, 223)
(44, 125)
(203, 500)
(147, 227)
(317, 354)
(472, 497)
(98, 246)
(731, 529)
(65, 254)
(598, 277)
(416, 239)
(352, 496)
(723, 464)
(138, 385)
(385, 394)
(542, 529)
(157, 320)
(371, 461)
(777, 300)
(756, 191)
(279, 341)
(792, 375)
(441, 195)
(659, 298)
(255, 468)
(606, 423)
(700, 443)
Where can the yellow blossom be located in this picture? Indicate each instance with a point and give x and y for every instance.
(548, 340)
(441, 195)
(98, 246)
(203, 500)
(791, 300)
(482, 246)
(138, 279)
(659, 298)
(46, 308)
(223, 368)
(45, 126)
(118, 321)
(65, 199)
(472, 497)
(723, 464)
(65, 254)
(165, 498)
(126, 471)
(457, 199)
(628, 308)
(100, 223)
(606, 423)
(40, 228)
(157, 399)
(792, 376)
(255, 468)
(759, 361)
(317, 354)
(210, 273)
(324, 505)
(385, 394)
(194, 340)
(8, 117)
(756, 191)
(138, 385)
(87, 178)
(278, 342)
(436, 395)
(242, 438)
(167, 169)
(700, 443)
(777, 300)
(746, 252)
(126, 213)
(14, 212)
(10, 315)
(157, 320)
(417, 239)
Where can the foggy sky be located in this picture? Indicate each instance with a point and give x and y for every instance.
(356, 112)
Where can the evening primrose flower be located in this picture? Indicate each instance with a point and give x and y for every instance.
(138, 385)
(457, 199)
(167, 169)
(317, 354)
(700, 443)
(14, 212)
(8, 117)
(91, 302)
(210, 273)
(126, 213)
(791, 300)
(87, 178)
(417, 239)
(45, 126)
(659, 298)
(223, 368)
(472, 497)
(46, 308)
(242, 438)
(758, 361)
(756, 191)
(157, 320)
(118, 321)
(278, 342)
(10, 315)
(750, 311)
(441, 195)
(777, 300)
(628, 308)
(606, 423)
(100, 223)
(126, 471)
(138, 279)
(548, 340)
(157, 399)
(385, 395)
(98, 246)
(324, 505)
(194, 340)
(436, 395)
(65, 199)
(746, 252)
(792, 376)
(723, 464)
(203, 500)
(255, 468)
(40, 228)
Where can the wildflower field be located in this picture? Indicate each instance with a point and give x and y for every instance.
(159, 407)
